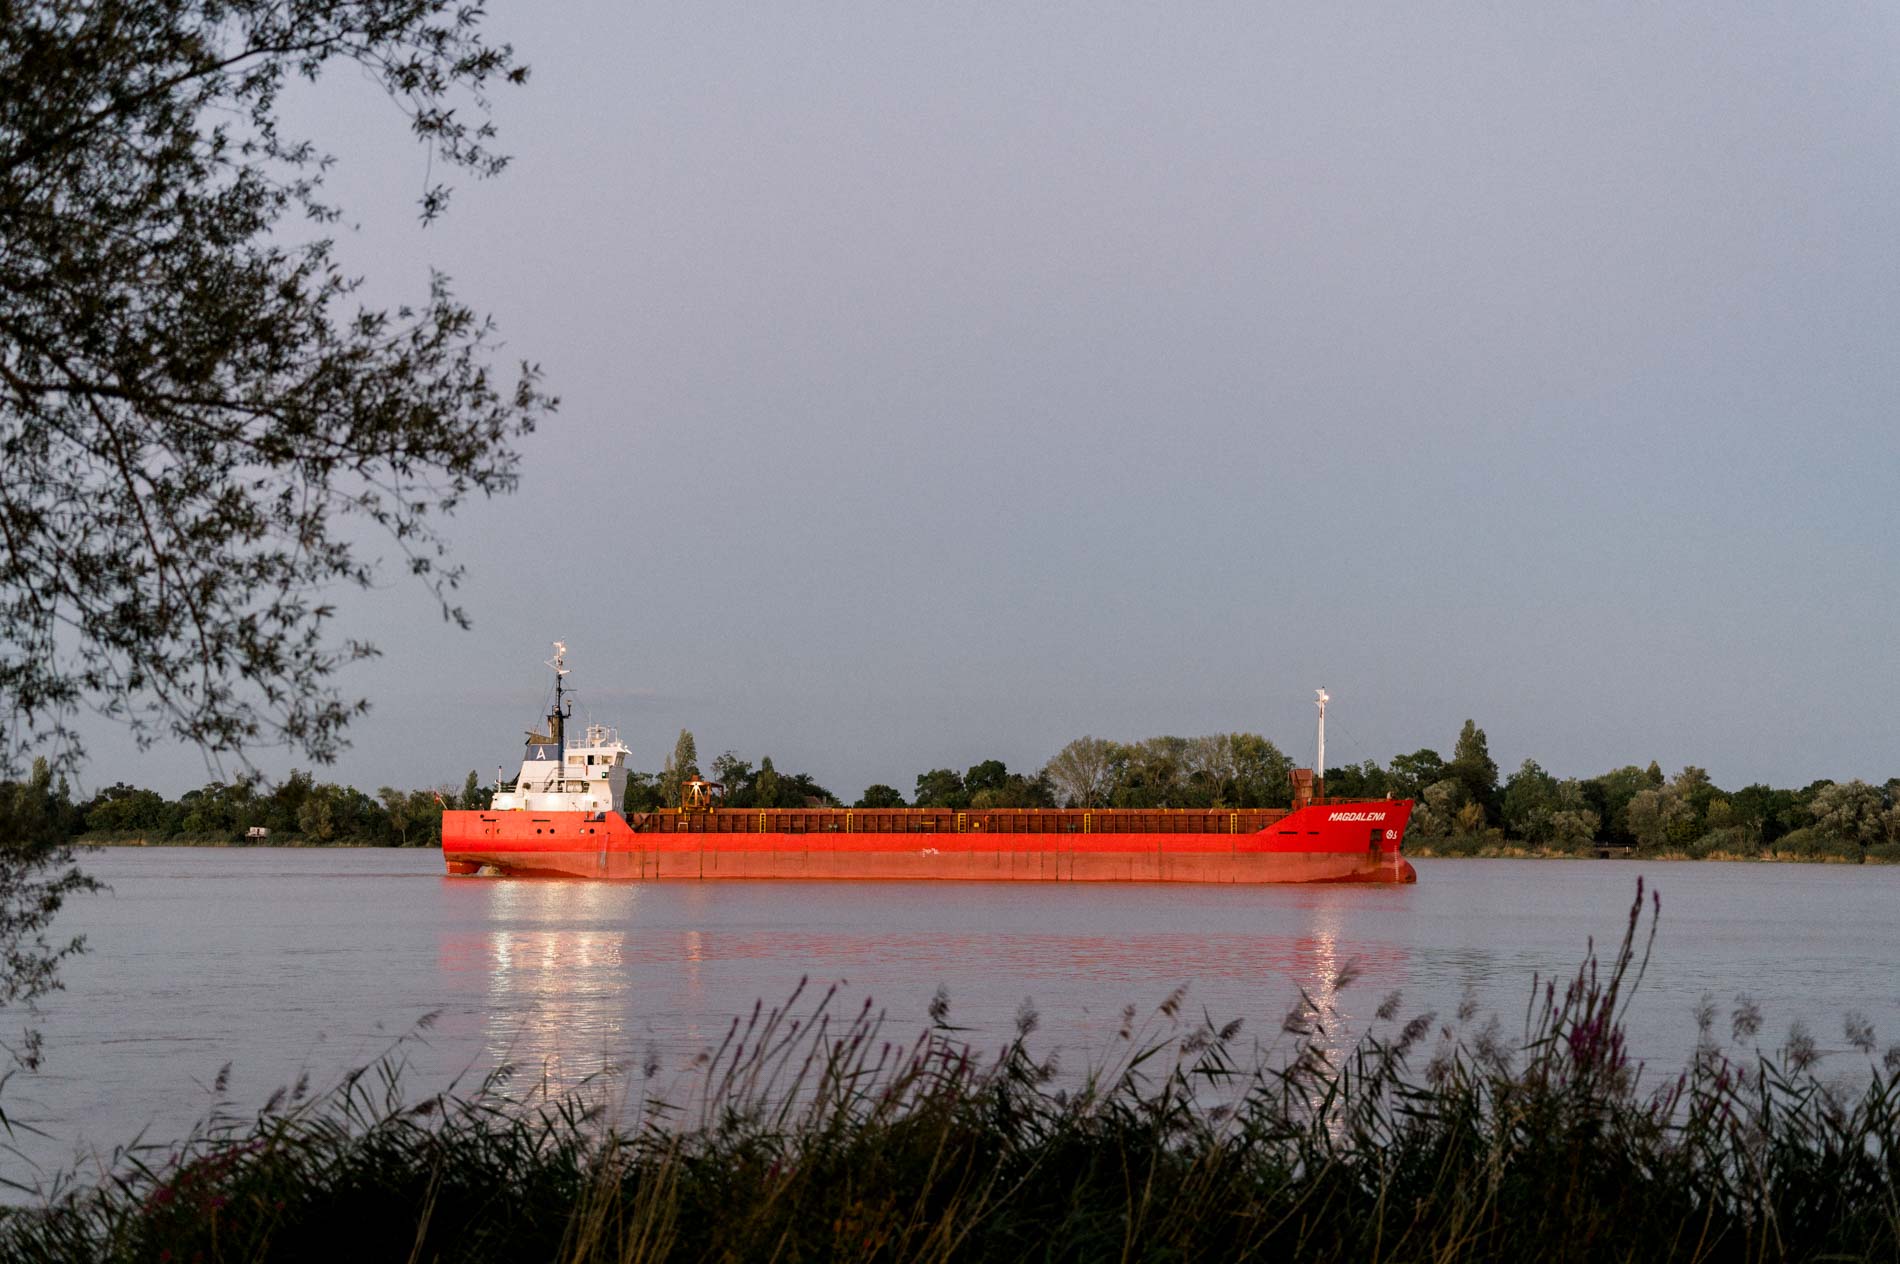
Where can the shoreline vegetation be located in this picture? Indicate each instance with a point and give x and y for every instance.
(1456, 849)
(809, 1134)
(1465, 809)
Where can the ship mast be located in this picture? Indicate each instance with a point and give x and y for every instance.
(1319, 765)
(557, 719)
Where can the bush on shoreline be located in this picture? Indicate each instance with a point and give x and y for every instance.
(807, 1135)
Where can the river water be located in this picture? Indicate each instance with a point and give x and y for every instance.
(281, 962)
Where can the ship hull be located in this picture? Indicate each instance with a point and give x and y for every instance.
(1357, 842)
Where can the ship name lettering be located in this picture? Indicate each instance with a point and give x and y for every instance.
(1357, 816)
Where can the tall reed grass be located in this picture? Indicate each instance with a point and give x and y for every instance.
(807, 1135)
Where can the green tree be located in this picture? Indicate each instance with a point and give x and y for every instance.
(1662, 817)
(1573, 828)
(200, 414)
(121, 808)
(1229, 770)
(1409, 775)
(991, 774)
(409, 813)
(1610, 794)
(643, 792)
(1437, 813)
(1261, 774)
(765, 787)
(321, 817)
(1208, 769)
(729, 770)
(36, 818)
(344, 814)
(940, 788)
(738, 777)
(1084, 772)
(681, 767)
(1540, 809)
(475, 796)
(799, 790)
(768, 790)
(425, 811)
(1695, 786)
(1530, 802)
(220, 809)
(1011, 790)
(1646, 822)
(990, 784)
(1757, 811)
(1365, 780)
(879, 795)
(285, 798)
(197, 412)
(1474, 769)
(1154, 775)
(1850, 812)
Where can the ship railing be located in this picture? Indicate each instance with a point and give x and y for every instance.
(1002, 821)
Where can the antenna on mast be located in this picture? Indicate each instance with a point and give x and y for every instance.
(557, 720)
(1319, 769)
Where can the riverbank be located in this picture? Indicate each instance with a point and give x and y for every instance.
(1461, 850)
(289, 840)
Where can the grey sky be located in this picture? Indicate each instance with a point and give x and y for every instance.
(947, 383)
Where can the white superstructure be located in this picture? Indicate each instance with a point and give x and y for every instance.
(561, 776)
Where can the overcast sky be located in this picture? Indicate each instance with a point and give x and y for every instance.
(947, 382)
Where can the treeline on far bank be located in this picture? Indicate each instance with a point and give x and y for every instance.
(1464, 805)
(298, 809)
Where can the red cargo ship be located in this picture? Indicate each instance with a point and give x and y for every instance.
(563, 817)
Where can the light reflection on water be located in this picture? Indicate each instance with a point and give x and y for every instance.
(570, 985)
(283, 961)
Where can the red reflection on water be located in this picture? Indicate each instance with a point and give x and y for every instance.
(585, 974)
